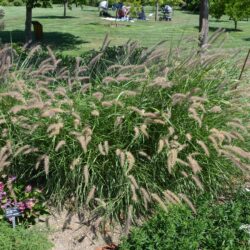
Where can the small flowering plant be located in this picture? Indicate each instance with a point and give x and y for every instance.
(28, 200)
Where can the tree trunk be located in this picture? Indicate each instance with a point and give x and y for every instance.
(156, 9)
(203, 23)
(28, 33)
(65, 8)
(235, 24)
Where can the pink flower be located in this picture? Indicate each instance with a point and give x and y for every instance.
(1, 186)
(28, 189)
(30, 203)
(21, 206)
(2, 195)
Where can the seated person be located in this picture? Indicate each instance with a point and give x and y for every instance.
(123, 12)
(168, 9)
(103, 8)
(103, 5)
(141, 15)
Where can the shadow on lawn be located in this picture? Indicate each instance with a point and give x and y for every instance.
(56, 40)
(218, 21)
(55, 17)
(213, 29)
(247, 39)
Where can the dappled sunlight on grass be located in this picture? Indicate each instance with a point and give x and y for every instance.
(89, 29)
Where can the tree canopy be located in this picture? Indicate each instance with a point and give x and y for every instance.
(236, 9)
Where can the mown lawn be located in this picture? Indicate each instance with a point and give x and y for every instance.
(84, 29)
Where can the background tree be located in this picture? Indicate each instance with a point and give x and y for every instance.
(192, 5)
(203, 22)
(217, 8)
(135, 7)
(237, 10)
(30, 4)
(66, 4)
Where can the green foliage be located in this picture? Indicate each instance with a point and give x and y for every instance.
(38, 3)
(174, 2)
(135, 7)
(11, 2)
(217, 8)
(216, 226)
(193, 5)
(22, 238)
(18, 3)
(237, 10)
(164, 2)
(111, 145)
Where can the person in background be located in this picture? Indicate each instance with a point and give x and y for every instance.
(141, 15)
(168, 9)
(103, 8)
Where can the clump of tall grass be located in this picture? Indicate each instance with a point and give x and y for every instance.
(156, 132)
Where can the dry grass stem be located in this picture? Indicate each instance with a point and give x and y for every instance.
(98, 95)
(173, 196)
(46, 164)
(160, 202)
(121, 156)
(142, 153)
(134, 195)
(137, 132)
(59, 145)
(90, 195)
(74, 163)
(203, 146)
(133, 181)
(237, 125)
(238, 151)
(101, 149)
(130, 160)
(197, 182)
(188, 202)
(95, 113)
(194, 164)
(172, 158)
(20, 150)
(216, 109)
(129, 220)
(143, 129)
(86, 175)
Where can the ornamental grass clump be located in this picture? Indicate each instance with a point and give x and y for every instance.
(160, 131)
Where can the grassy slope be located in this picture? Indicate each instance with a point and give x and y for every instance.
(85, 30)
(22, 238)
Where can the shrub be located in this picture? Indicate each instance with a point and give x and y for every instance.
(27, 199)
(18, 3)
(136, 136)
(22, 238)
(216, 226)
(5, 3)
(11, 2)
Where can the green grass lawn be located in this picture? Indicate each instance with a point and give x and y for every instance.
(84, 29)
